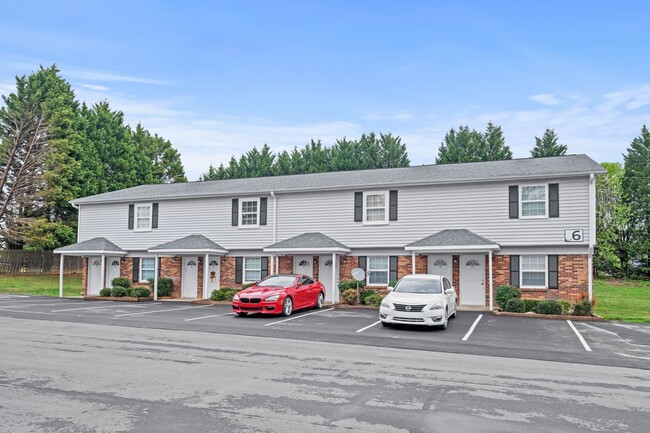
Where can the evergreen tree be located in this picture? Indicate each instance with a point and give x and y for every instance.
(345, 155)
(548, 145)
(463, 146)
(282, 164)
(495, 144)
(164, 159)
(211, 174)
(392, 152)
(636, 190)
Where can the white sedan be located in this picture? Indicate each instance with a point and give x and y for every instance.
(428, 300)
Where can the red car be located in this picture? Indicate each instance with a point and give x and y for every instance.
(279, 294)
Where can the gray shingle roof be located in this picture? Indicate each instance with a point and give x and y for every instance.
(91, 246)
(422, 174)
(189, 243)
(308, 241)
(452, 238)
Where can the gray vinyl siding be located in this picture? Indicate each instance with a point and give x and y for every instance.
(480, 208)
(210, 217)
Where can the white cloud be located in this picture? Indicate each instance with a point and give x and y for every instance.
(92, 75)
(545, 98)
(96, 87)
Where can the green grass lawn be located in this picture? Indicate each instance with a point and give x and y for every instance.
(626, 300)
(44, 285)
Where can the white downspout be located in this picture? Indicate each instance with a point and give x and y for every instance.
(155, 278)
(413, 262)
(275, 217)
(61, 277)
(491, 285)
(592, 234)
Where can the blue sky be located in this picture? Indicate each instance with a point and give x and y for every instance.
(217, 78)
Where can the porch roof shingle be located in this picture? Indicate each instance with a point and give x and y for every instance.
(452, 239)
(190, 244)
(94, 246)
(316, 242)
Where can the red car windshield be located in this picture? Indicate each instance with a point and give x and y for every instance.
(277, 281)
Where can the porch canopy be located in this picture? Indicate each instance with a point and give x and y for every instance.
(92, 247)
(455, 241)
(194, 245)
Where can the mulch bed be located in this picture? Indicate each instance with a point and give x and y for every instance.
(551, 316)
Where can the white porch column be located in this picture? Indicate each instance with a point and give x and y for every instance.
(61, 277)
(206, 262)
(272, 264)
(155, 278)
(277, 264)
(490, 277)
(103, 272)
(335, 286)
(590, 271)
(413, 262)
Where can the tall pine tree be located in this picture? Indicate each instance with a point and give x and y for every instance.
(548, 145)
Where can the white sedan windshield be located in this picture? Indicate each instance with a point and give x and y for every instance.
(418, 286)
(277, 281)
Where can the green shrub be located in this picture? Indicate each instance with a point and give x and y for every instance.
(105, 292)
(118, 291)
(350, 296)
(223, 294)
(392, 283)
(566, 306)
(165, 286)
(140, 292)
(582, 308)
(516, 305)
(350, 284)
(549, 306)
(505, 293)
(373, 300)
(531, 305)
(363, 294)
(122, 282)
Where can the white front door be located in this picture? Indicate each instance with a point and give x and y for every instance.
(189, 283)
(214, 271)
(472, 280)
(303, 265)
(325, 276)
(94, 275)
(440, 264)
(112, 270)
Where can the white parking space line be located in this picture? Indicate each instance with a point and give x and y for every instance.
(9, 297)
(26, 312)
(472, 328)
(631, 327)
(140, 313)
(298, 317)
(207, 317)
(31, 304)
(369, 326)
(97, 308)
(582, 340)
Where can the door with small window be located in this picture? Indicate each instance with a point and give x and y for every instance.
(189, 284)
(440, 264)
(94, 276)
(213, 274)
(112, 270)
(472, 280)
(303, 265)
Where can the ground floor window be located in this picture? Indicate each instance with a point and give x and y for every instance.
(378, 271)
(533, 271)
(252, 269)
(147, 268)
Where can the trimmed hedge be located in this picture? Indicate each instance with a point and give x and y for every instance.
(350, 296)
(363, 294)
(505, 293)
(531, 305)
(122, 282)
(566, 306)
(373, 300)
(516, 305)
(582, 308)
(140, 292)
(105, 292)
(350, 284)
(165, 286)
(549, 307)
(223, 294)
(119, 292)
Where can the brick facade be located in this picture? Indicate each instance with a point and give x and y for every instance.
(84, 277)
(286, 265)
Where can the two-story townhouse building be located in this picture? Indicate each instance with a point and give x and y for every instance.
(525, 222)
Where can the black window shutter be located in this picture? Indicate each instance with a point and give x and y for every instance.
(358, 207)
(154, 216)
(263, 211)
(514, 271)
(513, 194)
(393, 206)
(552, 272)
(265, 267)
(553, 200)
(393, 269)
(136, 269)
(159, 266)
(235, 212)
(362, 262)
(238, 270)
(131, 216)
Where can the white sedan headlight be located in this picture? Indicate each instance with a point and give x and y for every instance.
(385, 304)
(235, 298)
(436, 306)
(272, 298)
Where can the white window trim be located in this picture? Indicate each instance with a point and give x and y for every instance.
(369, 271)
(546, 205)
(241, 214)
(521, 272)
(135, 217)
(244, 269)
(140, 279)
(386, 208)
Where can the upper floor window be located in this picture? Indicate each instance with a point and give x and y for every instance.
(249, 213)
(533, 201)
(143, 213)
(375, 210)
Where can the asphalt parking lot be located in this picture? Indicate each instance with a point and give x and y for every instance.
(598, 343)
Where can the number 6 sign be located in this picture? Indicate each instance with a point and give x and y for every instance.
(571, 235)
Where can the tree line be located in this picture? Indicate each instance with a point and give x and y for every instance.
(54, 149)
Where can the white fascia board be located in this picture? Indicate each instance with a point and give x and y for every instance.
(188, 252)
(90, 253)
(307, 250)
(452, 248)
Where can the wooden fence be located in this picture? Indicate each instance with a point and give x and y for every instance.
(19, 262)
